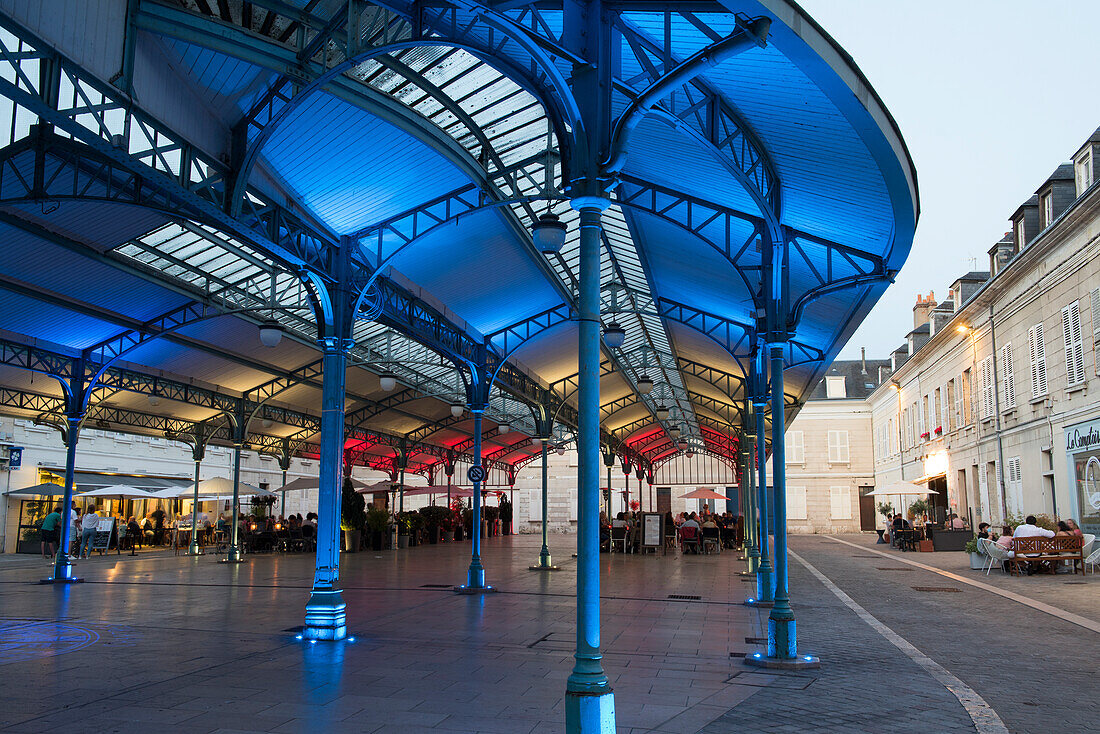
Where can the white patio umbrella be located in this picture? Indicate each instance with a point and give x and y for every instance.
(119, 490)
(899, 488)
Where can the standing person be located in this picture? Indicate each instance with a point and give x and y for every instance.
(88, 525)
(74, 532)
(51, 533)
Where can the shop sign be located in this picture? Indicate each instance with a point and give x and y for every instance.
(1083, 437)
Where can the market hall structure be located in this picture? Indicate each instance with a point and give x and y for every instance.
(415, 236)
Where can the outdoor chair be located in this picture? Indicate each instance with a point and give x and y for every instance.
(1093, 560)
(309, 538)
(996, 554)
(689, 538)
(670, 538)
(712, 537)
(618, 536)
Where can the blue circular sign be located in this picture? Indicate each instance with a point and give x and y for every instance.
(476, 474)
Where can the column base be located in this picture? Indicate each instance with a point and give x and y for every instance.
(589, 713)
(765, 588)
(782, 638)
(196, 551)
(325, 616)
(235, 556)
(543, 568)
(62, 573)
(471, 590)
(758, 603)
(805, 662)
(70, 580)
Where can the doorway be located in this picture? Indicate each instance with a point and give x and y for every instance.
(939, 501)
(866, 509)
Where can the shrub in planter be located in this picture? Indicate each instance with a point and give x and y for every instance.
(352, 518)
(377, 522)
(434, 518)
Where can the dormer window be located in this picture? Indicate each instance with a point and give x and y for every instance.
(1082, 171)
(1021, 240)
(1046, 209)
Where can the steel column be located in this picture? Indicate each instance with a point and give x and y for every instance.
(545, 562)
(782, 639)
(589, 700)
(326, 618)
(475, 575)
(194, 549)
(234, 555)
(764, 589)
(63, 567)
(752, 546)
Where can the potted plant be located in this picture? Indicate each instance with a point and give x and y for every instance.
(376, 521)
(433, 518)
(887, 511)
(351, 516)
(506, 514)
(918, 509)
(977, 558)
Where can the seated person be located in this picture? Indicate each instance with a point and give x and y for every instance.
(1073, 528)
(708, 522)
(134, 531)
(620, 521)
(1005, 541)
(955, 522)
(691, 522)
(1030, 530)
(984, 531)
(1064, 530)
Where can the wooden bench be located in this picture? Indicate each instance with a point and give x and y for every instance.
(1051, 550)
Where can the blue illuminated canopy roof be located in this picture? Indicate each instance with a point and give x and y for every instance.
(432, 141)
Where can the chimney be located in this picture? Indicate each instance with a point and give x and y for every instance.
(923, 305)
(863, 360)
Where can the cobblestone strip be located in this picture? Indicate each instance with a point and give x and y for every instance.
(1047, 608)
(986, 720)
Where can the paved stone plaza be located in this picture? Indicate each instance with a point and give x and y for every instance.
(188, 645)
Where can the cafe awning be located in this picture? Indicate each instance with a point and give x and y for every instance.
(47, 489)
(88, 481)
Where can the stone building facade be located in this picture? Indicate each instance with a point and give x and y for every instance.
(993, 399)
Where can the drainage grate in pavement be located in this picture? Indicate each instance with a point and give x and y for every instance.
(887, 568)
(935, 588)
(436, 586)
(771, 680)
(1075, 582)
(738, 654)
(750, 580)
(756, 640)
(685, 597)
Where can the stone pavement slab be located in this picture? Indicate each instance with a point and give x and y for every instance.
(186, 644)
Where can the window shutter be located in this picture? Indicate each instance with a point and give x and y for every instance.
(1074, 346)
(795, 447)
(840, 503)
(796, 503)
(1096, 314)
(838, 447)
(1009, 378)
(987, 387)
(1037, 352)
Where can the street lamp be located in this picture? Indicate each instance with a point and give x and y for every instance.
(645, 385)
(504, 428)
(560, 449)
(674, 431)
(271, 333)
(614, 335)
(457, 409)
(662, 413)
(548, 233)
(387, 381)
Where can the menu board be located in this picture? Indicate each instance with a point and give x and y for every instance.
(651, 529)
(103, 528)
